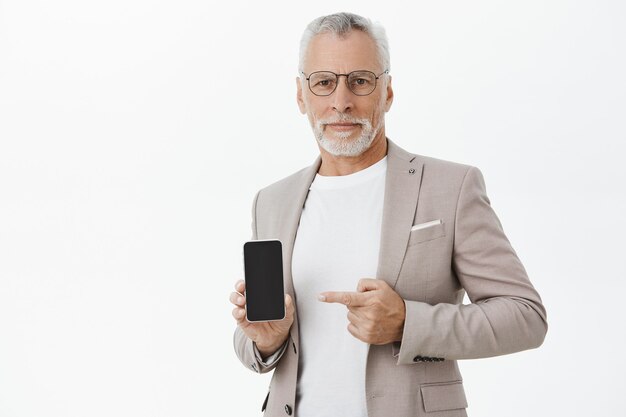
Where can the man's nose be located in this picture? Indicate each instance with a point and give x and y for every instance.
(342, 96)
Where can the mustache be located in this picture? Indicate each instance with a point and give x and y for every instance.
(342, 118)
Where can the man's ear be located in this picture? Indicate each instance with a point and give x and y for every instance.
(389, 99)
(301, 104)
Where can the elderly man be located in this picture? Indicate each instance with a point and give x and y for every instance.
(390, 241)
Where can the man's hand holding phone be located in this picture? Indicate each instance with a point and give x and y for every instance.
(267, 335)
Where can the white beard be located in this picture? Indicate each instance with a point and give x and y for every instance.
(342, 146)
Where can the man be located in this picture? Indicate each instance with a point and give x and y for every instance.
(389, 240)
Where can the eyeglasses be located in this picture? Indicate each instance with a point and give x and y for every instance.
(361, 82)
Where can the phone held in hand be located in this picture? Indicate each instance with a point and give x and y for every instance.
(263, 273)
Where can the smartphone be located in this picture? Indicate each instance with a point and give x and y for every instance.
(263, 273)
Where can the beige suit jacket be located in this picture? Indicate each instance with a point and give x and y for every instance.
(431, 269)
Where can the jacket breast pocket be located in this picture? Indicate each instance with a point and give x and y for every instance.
(428, 233)
(444, 396)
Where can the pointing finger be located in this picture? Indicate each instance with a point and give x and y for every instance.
(347, 298)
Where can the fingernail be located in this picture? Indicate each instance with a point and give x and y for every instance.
(321, 297)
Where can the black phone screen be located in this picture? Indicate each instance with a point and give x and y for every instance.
(263, 268)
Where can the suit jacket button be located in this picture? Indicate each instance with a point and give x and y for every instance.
(287, 409)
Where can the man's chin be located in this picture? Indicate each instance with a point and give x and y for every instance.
(344, 137)
(340, 139)
(342, 146)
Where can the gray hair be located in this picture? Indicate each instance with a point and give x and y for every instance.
(341, 24)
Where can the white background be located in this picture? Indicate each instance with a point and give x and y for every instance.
(134, 134)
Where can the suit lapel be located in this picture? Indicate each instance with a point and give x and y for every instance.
(293, 212)
(289, 226)
(402, 185)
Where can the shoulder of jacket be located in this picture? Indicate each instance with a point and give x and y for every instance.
(284, 185)
(443, 168)
(430, 164)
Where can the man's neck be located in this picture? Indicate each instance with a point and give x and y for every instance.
(346, 165)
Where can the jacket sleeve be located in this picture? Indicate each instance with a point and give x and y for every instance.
(506, 314)
(245, 348)
(248, 354)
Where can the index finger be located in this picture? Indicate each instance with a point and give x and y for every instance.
(348, 298)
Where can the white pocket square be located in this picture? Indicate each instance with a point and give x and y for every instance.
(425, 225)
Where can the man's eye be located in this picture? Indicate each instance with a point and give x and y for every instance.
(361, 81)
(324, 83)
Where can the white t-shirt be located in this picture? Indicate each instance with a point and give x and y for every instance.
(336, 245)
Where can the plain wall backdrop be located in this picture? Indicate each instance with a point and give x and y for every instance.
(134, 134)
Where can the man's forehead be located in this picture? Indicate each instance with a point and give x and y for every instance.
(348, 52)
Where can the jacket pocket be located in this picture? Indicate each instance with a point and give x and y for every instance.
(443, 396)
(428, 233)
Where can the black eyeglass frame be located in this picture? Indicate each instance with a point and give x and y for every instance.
(376, 77)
